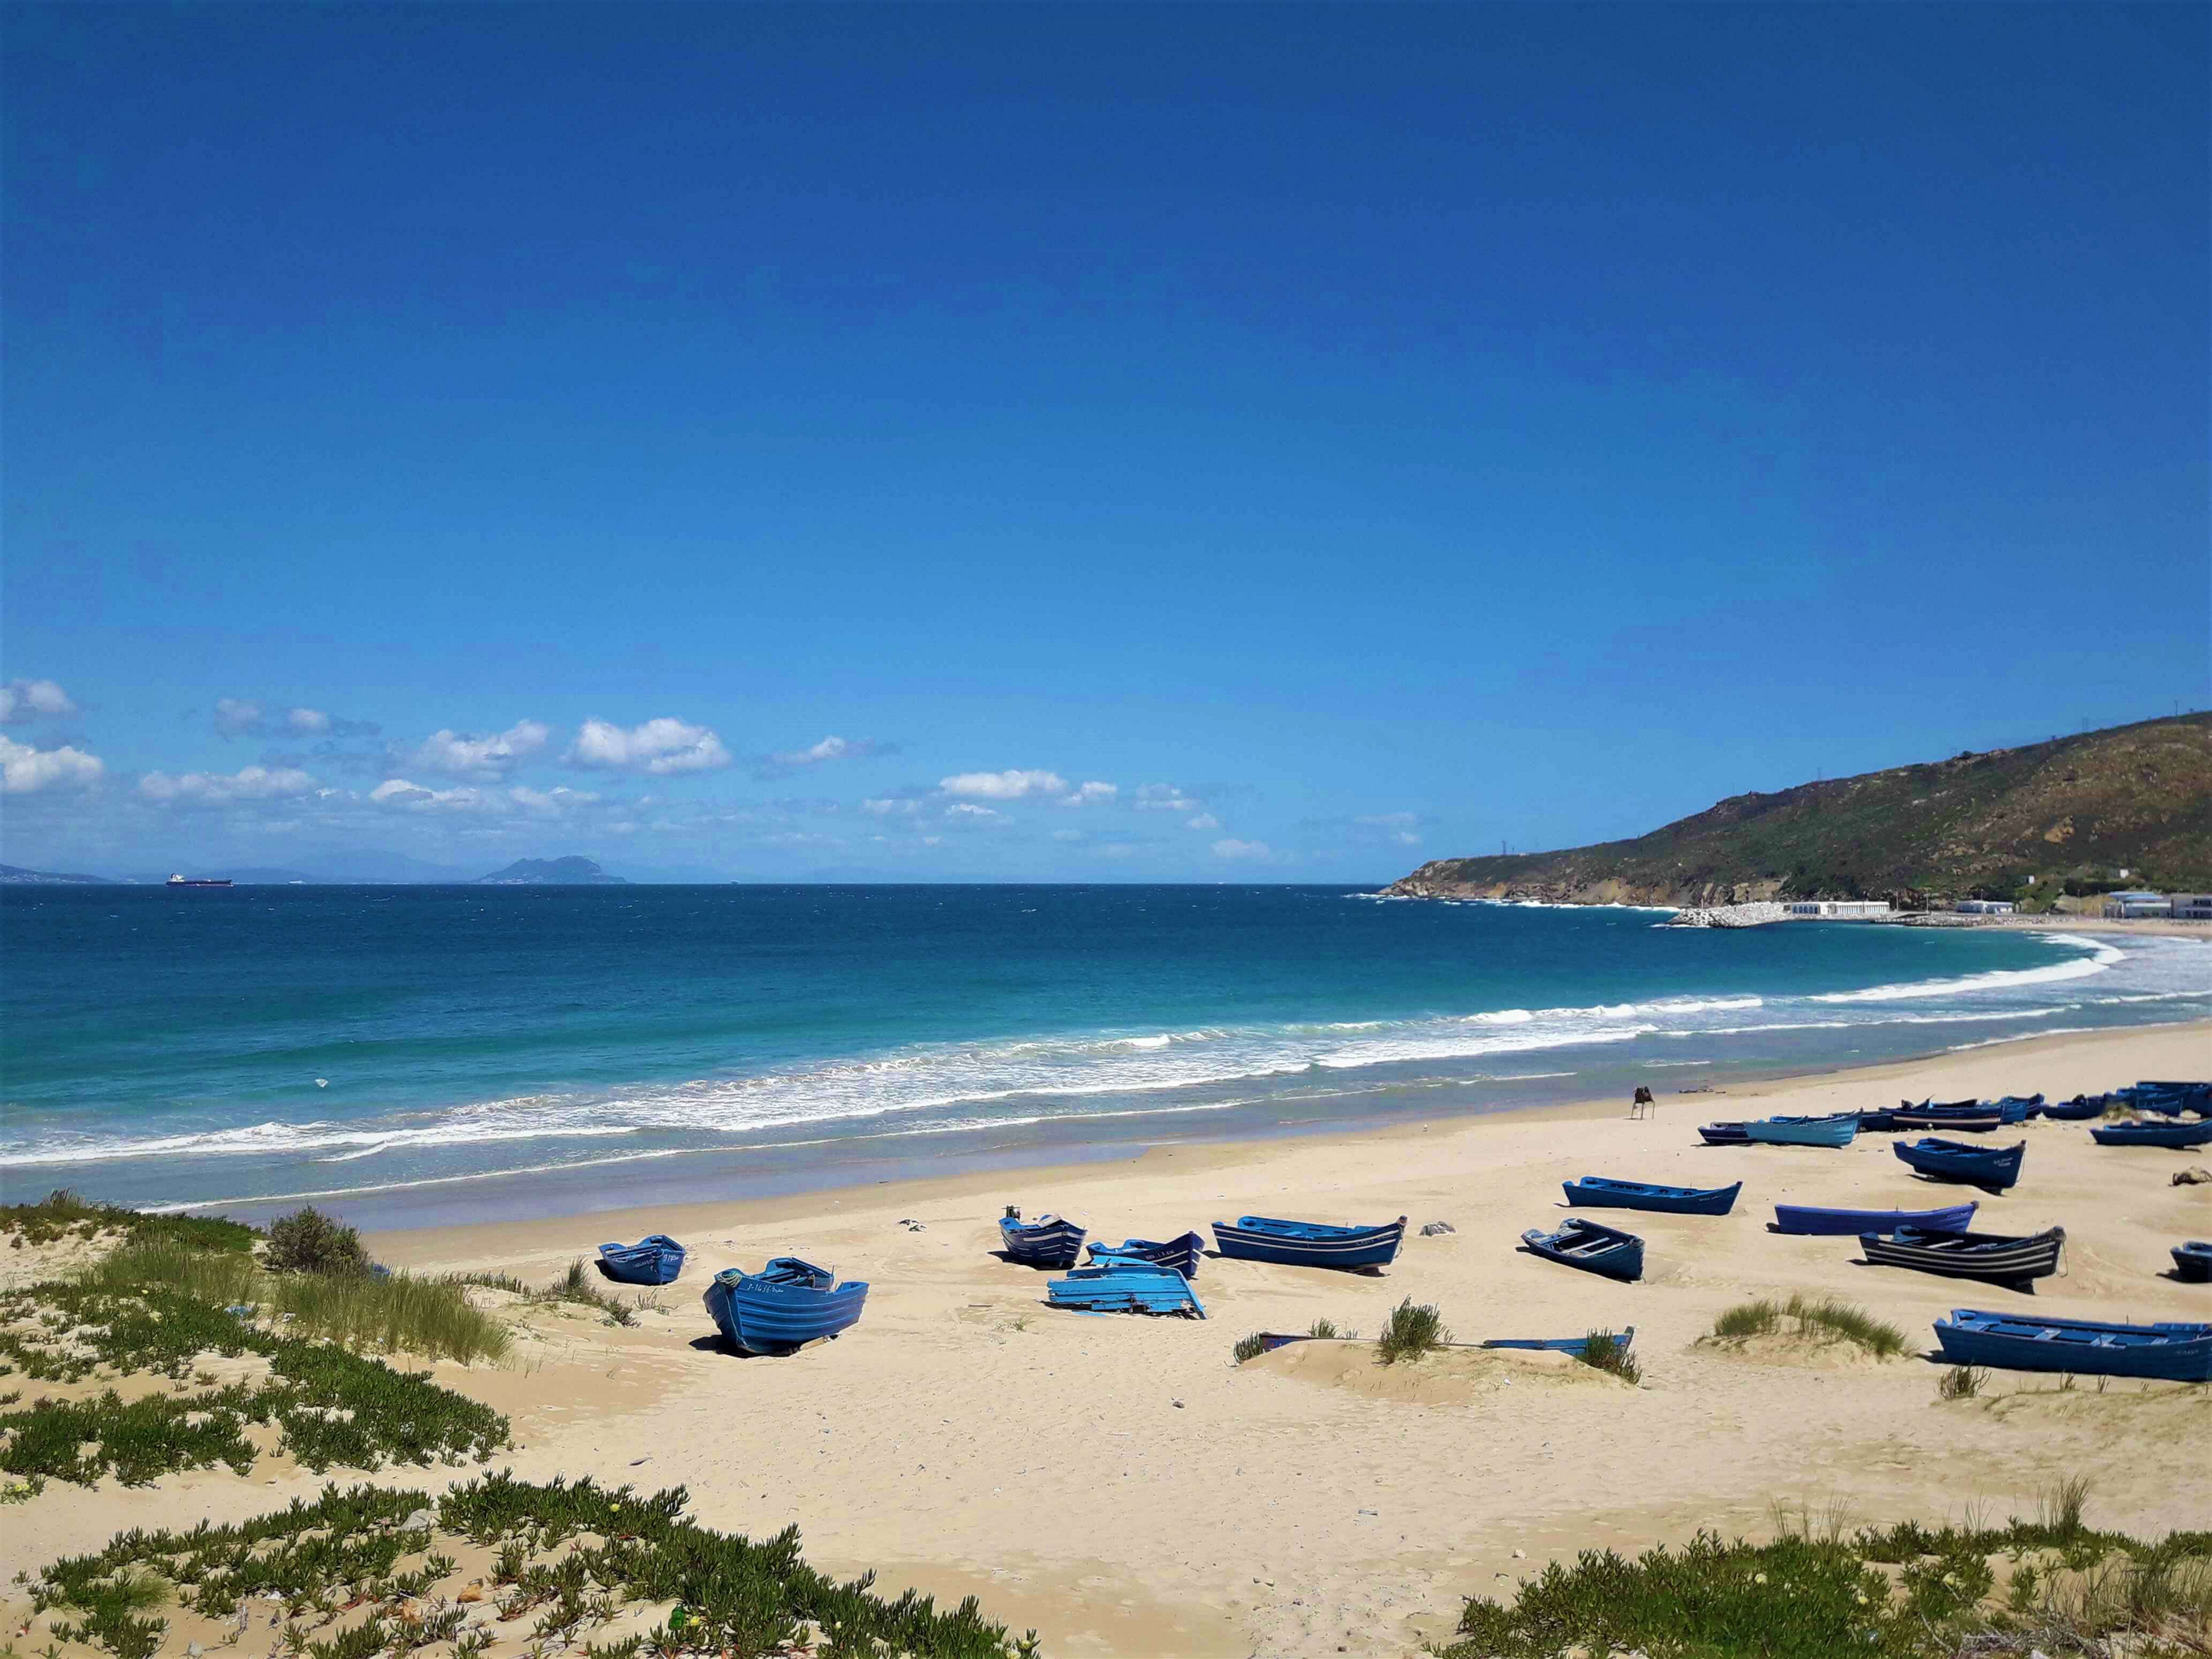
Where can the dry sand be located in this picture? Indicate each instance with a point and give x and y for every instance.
(1119, 1484)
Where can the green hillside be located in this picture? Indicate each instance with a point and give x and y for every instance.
(2134, 797)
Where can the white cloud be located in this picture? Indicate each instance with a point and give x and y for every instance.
(25, 770)
(1242, 849)
(659, 747)
(783, 764)
(1406, 838)
(234, 716)
(1003, 785)
(556, 800)
(1083, 793)
(309, 719)
(891, 807)
(1067, 834)
(220, 789)
(1390, 820)
(1203, 821)
(457, 754)
(1166, 798)
(398, 792)
(30, 700)
(970, 811)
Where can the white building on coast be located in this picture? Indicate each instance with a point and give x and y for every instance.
(1840, 909)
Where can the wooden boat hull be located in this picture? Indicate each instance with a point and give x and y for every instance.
(654, 1259)
(2079, 1109)
(1993, 1168)
(1048, 1242)
(1994, 1257)
(2175, 1136)
(1975, 1123)
(1723, 1134)
(2192, 1262)
(1839, 1223)
(1577, 1346)
(1593, 1248)
(1317, 1246)
(1126, 1286)
(1595, 1193)
(1182, 1253)
(1829, 1131)
(764, 1313)
(2168, 1352)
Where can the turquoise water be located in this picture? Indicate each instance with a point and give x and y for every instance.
(427, 1052)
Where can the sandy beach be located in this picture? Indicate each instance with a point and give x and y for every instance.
(1121, 1486)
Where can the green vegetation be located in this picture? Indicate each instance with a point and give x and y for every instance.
(364, 1566)
(1808, 1596)
(1606, 1351)
(1823, 1318)
(1326, 1330)
(63, 1214)
(1412, 1332)
(308, 1241)
(2137, 797)
(1248, 1347)
(1961, 1382)
(577, 1285)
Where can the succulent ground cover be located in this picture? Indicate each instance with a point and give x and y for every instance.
(608, 1574)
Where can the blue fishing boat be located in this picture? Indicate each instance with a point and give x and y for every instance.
(1980, 1121)
(1048, 1242)
(2168, 1099)
(1723, 1134)
(2076, 1110)
(1601, 1192)
(1839, 1130)
(786, 1305)
(1181, 1253)
(2192, 1262)
(1590, 1245)
(1307, 1244)
(1878, 1123)
(2020, 1108)
(2000, 1258)
(655, 1259)
(1126, 1286)
(2168, 1351)
(1806, 1219)
(2177, 1134)
(1577, 1346)
(1992, 1167)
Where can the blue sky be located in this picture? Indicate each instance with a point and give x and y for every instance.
(1169, 442)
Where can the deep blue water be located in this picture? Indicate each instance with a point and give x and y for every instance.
(258, 1043)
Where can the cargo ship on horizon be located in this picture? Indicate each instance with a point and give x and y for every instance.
(199, 881)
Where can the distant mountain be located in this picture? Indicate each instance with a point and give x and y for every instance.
(358, 864)
(14, 875)
(2136, 798)
(562, 872)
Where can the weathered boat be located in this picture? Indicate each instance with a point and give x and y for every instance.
(2000, 1258)
(1839, 1130)
(1723, 1134)
(1126, 1286)
(1602, 1193)
(655, 1259)
(1623, 1338)
(2076, 1110)
(1181, 1253)
(786, 1305)
(2172, 1352)
(1995, 1168)
(1837, 1223)
(1048, 1242)
(1309, 1244)
(1980, 1121)
(2192, 1262)
(1590, 1245)
(2177, 1135)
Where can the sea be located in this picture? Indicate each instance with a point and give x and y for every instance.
(421, 1056)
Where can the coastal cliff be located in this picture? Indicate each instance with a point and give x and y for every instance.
(2134, 798)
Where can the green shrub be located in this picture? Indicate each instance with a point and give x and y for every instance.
(62, 1214)
(308, 1241)
(1327, 1330)
(1607, 1352)
(1248, 1347)
(1815, 1318)
(1412, 1332)
(1960, 1382)
(1759, 1318)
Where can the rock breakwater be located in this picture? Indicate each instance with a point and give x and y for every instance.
(1730, 915)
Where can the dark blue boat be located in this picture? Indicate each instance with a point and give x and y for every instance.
(2020, 1108)
(1307, 1244)
(786, 1305)
(1577, 1346)
(1804, 1219)
(2076, 1110)
(2170, 1353)
(1126, 1286)
(653, 1260)
(1048, 1242)
(1725, 1134)
(2192, 1262)
(1993, 1168)
(2178, 1135)
(1979, 1122)
(1602, 1193)
(1878, 1123)
(1181, 1253)
(2000, 1258)
(1590, 1245)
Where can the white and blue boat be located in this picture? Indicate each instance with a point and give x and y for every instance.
(786, 1305)
(1590, 1245)
(1181, 1253)
(1839, 1129)
(1307, 1244)
(2172, 1352)
(1126, 1286)
(1810, 1219)
(1048, 1242)
(1999, 1258)
(1993, 1168)
(655, 1259)
(1602, 1193)
(1623, 1338)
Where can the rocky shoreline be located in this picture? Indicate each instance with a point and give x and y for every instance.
(1758, 913)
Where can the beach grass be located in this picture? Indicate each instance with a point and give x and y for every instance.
(1248, 1347)
(1606, 1351)
(62, 1214)
(1412, 1331)
(1327, 1330)
(1961, 1382)
(1814, 1318)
